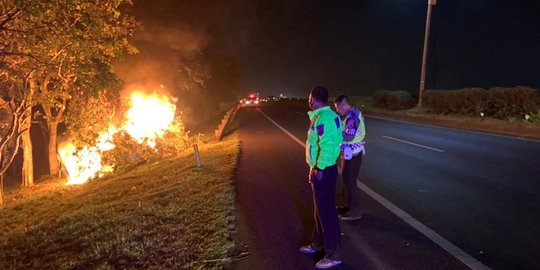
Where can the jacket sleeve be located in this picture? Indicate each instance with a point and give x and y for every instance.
(326, 128)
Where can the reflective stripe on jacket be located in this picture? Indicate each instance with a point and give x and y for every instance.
(354, 131)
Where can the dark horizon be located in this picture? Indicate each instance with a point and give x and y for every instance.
(357, 47)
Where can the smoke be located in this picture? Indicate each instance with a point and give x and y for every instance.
(178, 37)
(161, 47)
(176, 33)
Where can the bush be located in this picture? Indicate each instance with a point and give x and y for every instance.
(393, 100)
(504, 103)
(468, 101)
(499, 102)
(129, 153)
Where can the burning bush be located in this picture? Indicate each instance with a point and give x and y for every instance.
(150, 130)
(130, 152)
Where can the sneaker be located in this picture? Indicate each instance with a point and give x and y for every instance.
(326, 263)
(348, 217)
(308, 250)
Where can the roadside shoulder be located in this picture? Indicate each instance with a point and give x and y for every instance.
(499, 127)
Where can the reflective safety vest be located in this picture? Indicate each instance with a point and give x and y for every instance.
(354, 132)
(324, 138)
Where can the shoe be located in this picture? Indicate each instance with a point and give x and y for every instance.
(348, 217)
(342, 210)
(308, 250)
(326, 263)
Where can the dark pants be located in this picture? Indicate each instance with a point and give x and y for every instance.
(351, 169)
(327, 233)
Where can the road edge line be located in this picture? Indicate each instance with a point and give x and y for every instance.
(455, 251)
(283, 129)
(456, 129)
(436, 238)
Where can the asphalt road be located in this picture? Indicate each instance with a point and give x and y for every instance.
(478, 191)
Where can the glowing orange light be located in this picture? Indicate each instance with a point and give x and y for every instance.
(148, 118)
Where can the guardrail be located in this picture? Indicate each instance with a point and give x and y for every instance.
(229, 116)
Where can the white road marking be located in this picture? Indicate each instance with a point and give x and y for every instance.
(455, 129)
(455, 251)
(411, 143)
(283, 129)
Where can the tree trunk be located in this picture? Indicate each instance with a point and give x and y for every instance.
(1, 179)
(28, 160)
(54, 163)
(1, 189)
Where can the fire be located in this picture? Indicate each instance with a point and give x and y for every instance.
(148, 118)
(86, 163)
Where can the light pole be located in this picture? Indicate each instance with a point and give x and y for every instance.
(431, 3)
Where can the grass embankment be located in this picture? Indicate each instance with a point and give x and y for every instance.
(165, 215)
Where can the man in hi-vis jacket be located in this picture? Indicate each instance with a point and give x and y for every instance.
(354, 132)
(322, 150)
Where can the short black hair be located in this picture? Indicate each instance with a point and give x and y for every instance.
(341, 98)
(320, 94)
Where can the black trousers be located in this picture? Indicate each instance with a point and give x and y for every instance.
(351, 169)
(327, 232)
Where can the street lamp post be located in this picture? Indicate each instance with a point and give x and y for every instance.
(431, 3)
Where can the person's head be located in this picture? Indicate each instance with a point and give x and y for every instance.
(342, 105)
(318, 97)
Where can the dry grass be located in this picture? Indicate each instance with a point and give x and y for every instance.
(165, 215)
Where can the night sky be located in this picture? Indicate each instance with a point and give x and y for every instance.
(359, 46)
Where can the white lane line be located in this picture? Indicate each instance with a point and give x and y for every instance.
(411, 143)
(455, 251)
(371, 255)
(425, 230)
(283, 129)
(455, 129)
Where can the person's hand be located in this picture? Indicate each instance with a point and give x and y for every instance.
(319, 175)
(316, 173)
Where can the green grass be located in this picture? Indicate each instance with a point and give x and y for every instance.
(165, 215)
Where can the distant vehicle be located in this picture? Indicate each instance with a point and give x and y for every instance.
(252, 100)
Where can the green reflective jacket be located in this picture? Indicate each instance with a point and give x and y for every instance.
(324, 138)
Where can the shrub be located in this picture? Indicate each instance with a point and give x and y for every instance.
(504, 103)
(393, 100)
(468, 101)
(499, 102)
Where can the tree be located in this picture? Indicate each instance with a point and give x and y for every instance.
(68, 47)
(190, 80)
(14, 115)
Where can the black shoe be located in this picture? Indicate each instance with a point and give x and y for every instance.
(341, 210)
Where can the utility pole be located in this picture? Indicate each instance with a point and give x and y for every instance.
(431, 3)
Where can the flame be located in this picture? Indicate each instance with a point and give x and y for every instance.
(86, 163)
(148, 118)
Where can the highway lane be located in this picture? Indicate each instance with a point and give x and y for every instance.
(478, 191)
(274, 210)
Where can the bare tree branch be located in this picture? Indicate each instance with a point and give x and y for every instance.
(10, 17)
